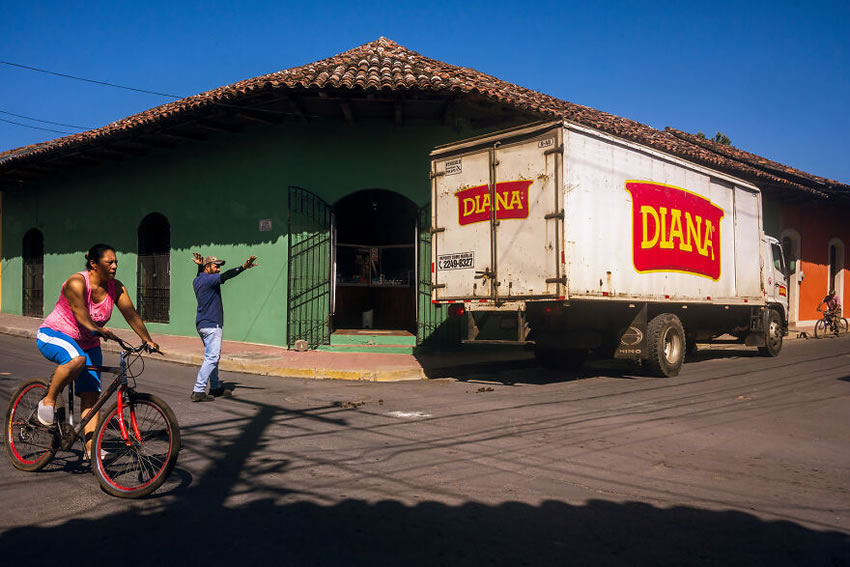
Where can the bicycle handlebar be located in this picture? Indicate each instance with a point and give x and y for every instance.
(130, 348)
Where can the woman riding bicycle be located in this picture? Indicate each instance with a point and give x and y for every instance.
(70, 334)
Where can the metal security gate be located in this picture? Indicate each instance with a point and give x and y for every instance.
(154, 287)
(310, 259)
(153, 268)
(33, 274)
(433, 328)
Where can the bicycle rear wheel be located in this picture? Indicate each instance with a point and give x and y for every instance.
(820, 328)
(137, 467)
(29, 444)
(841, 325)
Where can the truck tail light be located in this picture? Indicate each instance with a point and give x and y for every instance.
(456, 309)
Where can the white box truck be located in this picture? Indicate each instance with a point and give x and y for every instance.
(584, 241)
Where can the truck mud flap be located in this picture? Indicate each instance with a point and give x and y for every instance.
(632, 340)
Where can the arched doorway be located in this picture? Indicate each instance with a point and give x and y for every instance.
(836, 267)
(375, 262)
(153, 298)
(791, 249)
(32, 304)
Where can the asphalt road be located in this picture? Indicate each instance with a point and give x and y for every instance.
(740, 460)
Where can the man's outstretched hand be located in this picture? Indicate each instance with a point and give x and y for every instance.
(250, 262)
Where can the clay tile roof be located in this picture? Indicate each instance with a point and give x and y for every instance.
(384, 65)
(758, 161)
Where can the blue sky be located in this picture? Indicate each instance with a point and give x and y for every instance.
(773, 76)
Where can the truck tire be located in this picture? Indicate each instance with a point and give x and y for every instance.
(560, 359)
(665, 345)
(772, 335)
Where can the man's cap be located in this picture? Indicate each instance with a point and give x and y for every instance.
(213, 260)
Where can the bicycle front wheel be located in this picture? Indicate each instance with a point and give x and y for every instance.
(820, 328)
(136, 467)
(29, 444)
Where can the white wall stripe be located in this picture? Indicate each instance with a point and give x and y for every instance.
(61, 343)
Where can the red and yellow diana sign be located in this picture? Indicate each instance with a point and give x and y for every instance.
(473, 203)
(674, 230)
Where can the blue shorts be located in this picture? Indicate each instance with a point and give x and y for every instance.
(60, 348)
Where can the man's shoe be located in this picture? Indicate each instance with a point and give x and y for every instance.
(221, 392)
(201, 397)
(44, 414)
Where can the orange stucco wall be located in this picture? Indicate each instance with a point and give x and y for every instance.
(817, 225)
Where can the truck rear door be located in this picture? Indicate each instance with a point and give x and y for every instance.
(498, 216)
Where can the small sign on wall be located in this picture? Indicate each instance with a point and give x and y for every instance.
(265, 225)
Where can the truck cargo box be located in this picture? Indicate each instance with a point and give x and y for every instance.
(560, 211)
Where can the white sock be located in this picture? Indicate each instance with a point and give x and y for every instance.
(45, 413)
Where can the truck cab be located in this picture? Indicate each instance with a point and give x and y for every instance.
(776, 276)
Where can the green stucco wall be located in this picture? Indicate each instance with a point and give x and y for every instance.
(772, 219)
(213, 193)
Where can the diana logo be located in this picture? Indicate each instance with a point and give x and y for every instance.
(674, 230)
(473, 203)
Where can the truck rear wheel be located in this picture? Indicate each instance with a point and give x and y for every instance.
(560, 359)
(772, 335)
(665, 345)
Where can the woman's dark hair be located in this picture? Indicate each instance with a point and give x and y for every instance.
(96, 252)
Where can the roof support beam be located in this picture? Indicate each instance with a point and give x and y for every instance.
(158, 141)
(131, 148)
(38, 168)
(184, 135)
(219, 127)
(11, 184)
(398, 108)
(261, 117)
(104, 154)
(346, 111)
(78, 158)
(297, 109)
(449, 113)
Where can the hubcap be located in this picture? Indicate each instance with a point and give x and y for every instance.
(774, 333)
(672, 346)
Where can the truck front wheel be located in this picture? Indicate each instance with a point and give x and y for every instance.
(772, 335)
(665, 345)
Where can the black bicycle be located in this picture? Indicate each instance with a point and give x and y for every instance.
(830, 323)
(135, 444)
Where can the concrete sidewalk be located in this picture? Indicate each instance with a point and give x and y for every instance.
(278, 361)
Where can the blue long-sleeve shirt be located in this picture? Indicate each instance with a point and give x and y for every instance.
(208, 293)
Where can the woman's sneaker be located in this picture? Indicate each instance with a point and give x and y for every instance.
(201, 397)
(44, 414)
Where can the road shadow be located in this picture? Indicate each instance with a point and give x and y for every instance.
(725, 354)
(236, 510)
(195, 530)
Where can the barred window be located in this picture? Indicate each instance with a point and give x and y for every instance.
(33, 274)
(154, 268)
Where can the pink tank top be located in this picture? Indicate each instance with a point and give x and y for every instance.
(62, 317)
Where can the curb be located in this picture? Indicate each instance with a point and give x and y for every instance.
(232, 364)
